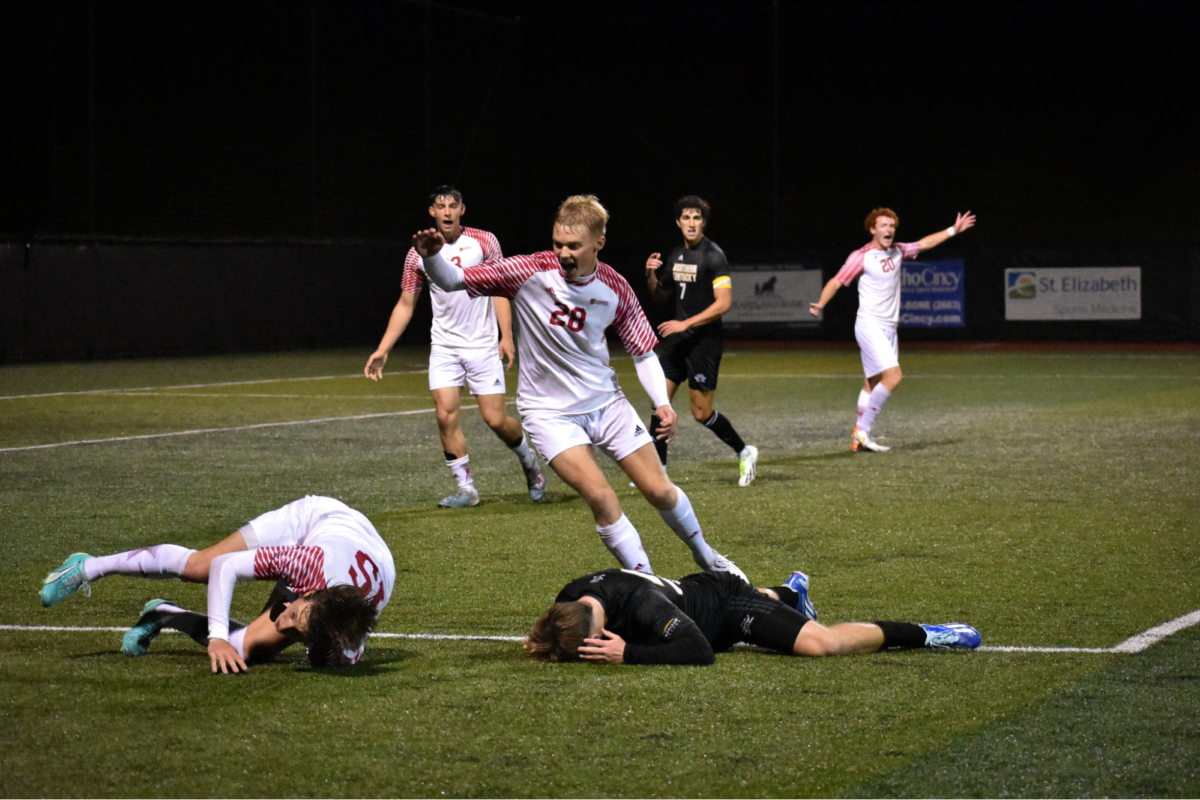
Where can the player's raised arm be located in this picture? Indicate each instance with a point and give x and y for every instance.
(428, 244)
(961, 223)
(657, 290)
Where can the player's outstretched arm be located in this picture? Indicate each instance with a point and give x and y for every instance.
(827, 294)
(961, 223)
(448, 277)
(401, 316)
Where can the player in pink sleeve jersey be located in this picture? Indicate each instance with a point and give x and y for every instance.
(464, 349)
(334, 575)
(568, 395)
(877, 267)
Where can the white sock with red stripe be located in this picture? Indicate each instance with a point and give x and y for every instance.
(879, 396)
(624, 542)
(682, 519)
(460, 468)
(156, 563)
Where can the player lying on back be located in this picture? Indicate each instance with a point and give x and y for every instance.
(567, 393)
(624, 617)
(329, 555)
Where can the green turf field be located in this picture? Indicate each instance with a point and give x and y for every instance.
(1049, 498)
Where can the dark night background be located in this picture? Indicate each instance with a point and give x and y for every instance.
(236, 148)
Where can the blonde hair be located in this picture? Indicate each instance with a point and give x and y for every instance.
(557, 635)
(583, 211)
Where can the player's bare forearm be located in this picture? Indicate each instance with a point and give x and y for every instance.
(397, 323)
(961, 223)
(827, 294)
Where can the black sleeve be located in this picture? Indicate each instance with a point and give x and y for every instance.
(677, 639)
(666, 273)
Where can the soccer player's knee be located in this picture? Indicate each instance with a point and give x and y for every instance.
(816, 641)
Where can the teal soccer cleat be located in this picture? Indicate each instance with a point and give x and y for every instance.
(138, 638)
(466, 497)
(65, 581)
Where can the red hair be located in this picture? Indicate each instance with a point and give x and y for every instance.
(876, 213)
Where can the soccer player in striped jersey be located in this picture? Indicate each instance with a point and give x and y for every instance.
(567, 393)
(698, 275)
(624, 617)
(877, 267)
(334, 573)
(464, 349)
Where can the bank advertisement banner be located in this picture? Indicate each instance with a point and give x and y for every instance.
(777, 294)
(931, 294)
(1073, 293)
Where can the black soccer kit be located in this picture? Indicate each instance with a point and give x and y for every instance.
(694, 354)
(685, 621)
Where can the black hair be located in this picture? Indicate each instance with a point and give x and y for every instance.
(340, 619)
(692, 201)
(445, 190)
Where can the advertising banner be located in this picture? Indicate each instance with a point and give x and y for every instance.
(773, 294)
(932, 294)
(1073, 293)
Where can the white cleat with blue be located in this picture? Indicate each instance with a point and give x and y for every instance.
(952, 634)
(465, 497)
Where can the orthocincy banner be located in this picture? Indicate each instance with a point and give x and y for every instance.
(1060, 293)
(773, 294)
(931, 294)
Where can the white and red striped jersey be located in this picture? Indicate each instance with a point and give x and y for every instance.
(563, 353)
(879, 286)
(334, 545)
(459, 321)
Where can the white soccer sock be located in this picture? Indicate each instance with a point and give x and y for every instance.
(156, 563)
(879, 396)
(623, 541)
(682, 520)
(525, 453)
(460, 468)
(864, 397)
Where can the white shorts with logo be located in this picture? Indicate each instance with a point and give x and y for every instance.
(481, 370)
(879, 344)
(616, 429)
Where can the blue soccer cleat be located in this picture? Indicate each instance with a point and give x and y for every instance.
(66, 581)
(137, 640)
(536, 482)
(952, 634)
(798, 583)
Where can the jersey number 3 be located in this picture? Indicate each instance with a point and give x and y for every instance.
(575, 317)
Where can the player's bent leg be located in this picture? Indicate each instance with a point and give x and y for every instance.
(844, 639)
(646, 471)
(447, 401)
(492, 409)
(579, 470)
(891, 378)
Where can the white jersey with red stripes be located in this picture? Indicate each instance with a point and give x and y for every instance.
(563, 351)
(879, 284)
(459, 321)
(328, 544)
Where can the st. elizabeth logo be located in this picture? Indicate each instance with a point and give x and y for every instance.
(1022, 285)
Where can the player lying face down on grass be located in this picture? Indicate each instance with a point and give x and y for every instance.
(624, 617)
(564, 299)
(334, 572)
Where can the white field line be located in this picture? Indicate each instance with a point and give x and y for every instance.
(1134, 644)
(221, 430)
(201, 385)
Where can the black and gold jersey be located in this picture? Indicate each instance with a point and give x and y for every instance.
(692, 274)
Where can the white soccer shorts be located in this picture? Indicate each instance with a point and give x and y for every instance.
(616, 429)
(879, 344)
(482, 370)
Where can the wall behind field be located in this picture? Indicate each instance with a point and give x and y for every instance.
(275, 135)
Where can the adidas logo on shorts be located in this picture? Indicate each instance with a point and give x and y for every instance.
(637, 430)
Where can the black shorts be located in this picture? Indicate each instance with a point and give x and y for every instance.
(694, 355)
(746, 615)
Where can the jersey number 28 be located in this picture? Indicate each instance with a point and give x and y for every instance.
(575, 317)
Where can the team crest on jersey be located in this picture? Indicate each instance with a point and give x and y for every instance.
(596, 302)
(596, 579)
